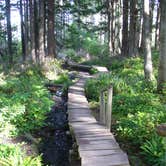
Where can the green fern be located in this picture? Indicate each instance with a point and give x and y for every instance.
(155, 151)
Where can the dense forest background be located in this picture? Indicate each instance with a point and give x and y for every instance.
(114, 27)
(126, 36)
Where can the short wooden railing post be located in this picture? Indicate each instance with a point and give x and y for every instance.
(102, 107)
(161, 130)
(109, 108)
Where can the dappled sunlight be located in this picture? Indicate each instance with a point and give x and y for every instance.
(2, 79)
(75, 75)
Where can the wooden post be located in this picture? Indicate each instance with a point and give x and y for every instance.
(109, 108)
(161, 130)
(102, 108)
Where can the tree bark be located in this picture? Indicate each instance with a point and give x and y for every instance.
(125, 28)
(36, 30)
(112, 28)
(117, 17)
(157, 28)
(142, 31)
(22, 31)
(45, 28)
(133, 28)
(109, 14)
(26, 27)
(41, 30)
(152, 5)
(32, 30)
(148, 69)
(51, 34)
(162, 59)
(139, 25)
(9, 31)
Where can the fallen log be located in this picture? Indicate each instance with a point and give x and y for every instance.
(53, 87)
(77, 67)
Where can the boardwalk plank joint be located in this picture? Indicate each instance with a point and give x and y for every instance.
(97, 146)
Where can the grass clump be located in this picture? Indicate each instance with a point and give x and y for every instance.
(12, 155)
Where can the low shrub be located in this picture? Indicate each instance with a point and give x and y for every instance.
(24, 101)
(137, 108)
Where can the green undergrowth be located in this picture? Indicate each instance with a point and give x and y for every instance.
(64, 80)
(12, 155)
(24, 103)
(137, 109)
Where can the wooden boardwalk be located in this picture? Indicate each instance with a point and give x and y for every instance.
(97, 146)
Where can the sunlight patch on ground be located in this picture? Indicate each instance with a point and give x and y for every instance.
(2, 79)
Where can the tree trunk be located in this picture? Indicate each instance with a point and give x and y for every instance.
(32, 30)
(45, 28)
(22, 32)
(148, 69)
(162, 60)
(152, 5)
(109, 14)
(26, 27)
(157, 28)
(36, 30)
(117, 17)
(133, 28)
(139, 25)
(142, 31)
(9, 31)
(112, 8)
(51, 34)
(41, 30)
(125, 28)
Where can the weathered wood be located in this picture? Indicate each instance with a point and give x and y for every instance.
(161, 129)
(76, 66)
(53, 87)
(100, 69)
(109, 108)
(102, 108)
(119, 159)
(96, 145)
(86, 68)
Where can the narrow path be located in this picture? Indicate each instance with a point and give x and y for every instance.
(97, 146)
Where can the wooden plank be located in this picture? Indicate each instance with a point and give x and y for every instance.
(109, 108)
(102, 108)
(81, 119)
(111, 160)
(97, 146)
(85, 145)
(99, 153)
(100, 69)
